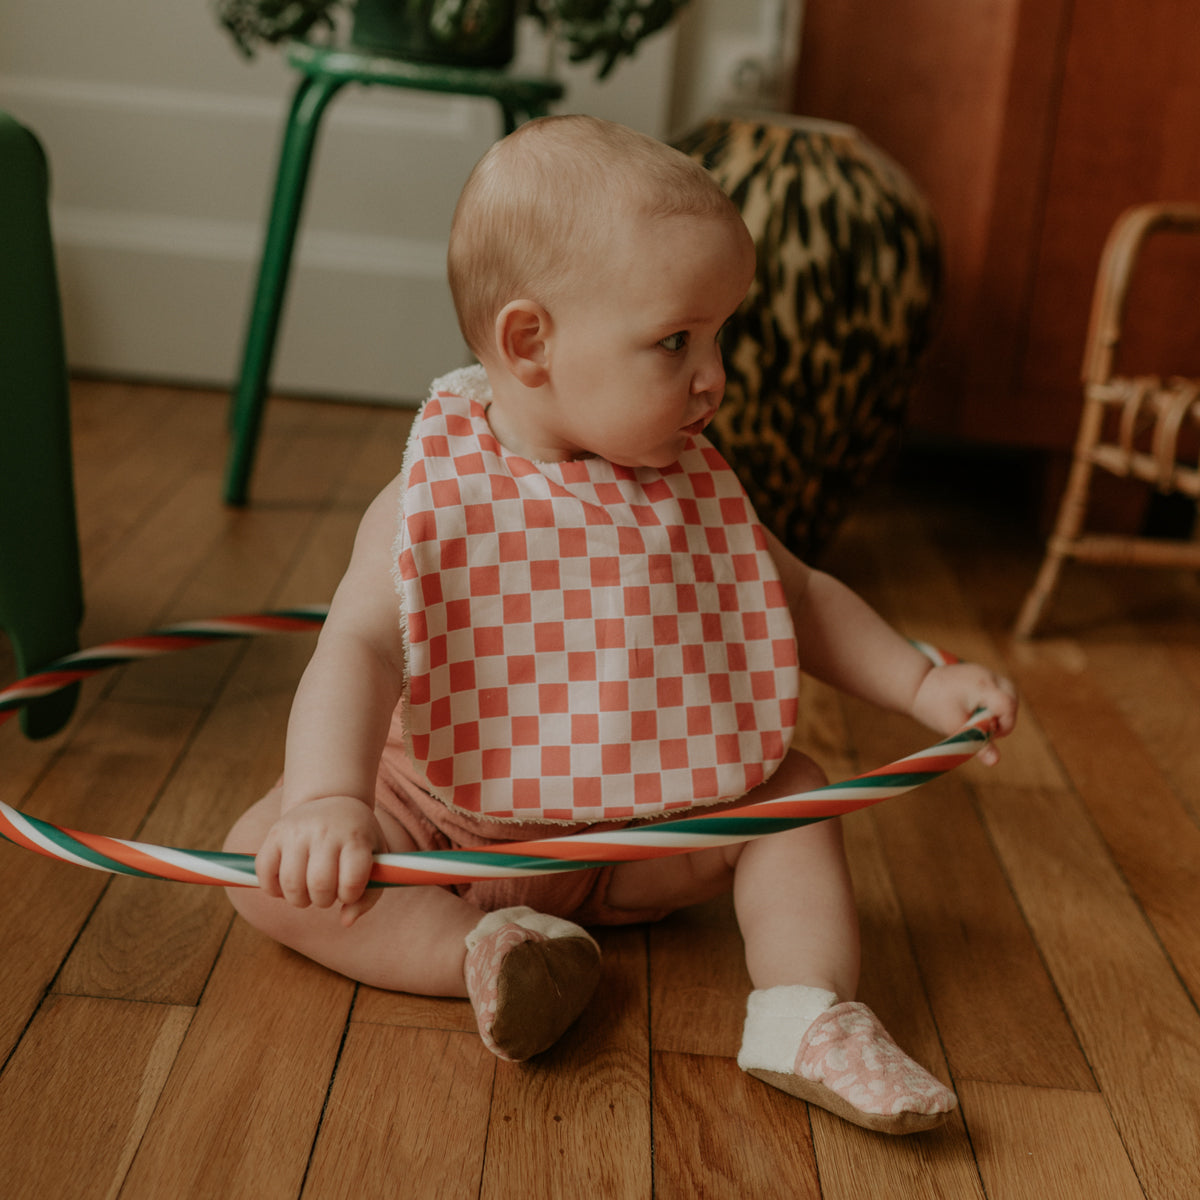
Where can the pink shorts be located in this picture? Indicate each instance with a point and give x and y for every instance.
(577, 895)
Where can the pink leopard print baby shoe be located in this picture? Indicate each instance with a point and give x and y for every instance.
(848, 1064)
(528, 977)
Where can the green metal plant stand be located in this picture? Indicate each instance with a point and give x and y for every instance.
(324, 72)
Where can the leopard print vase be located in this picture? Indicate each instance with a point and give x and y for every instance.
(821, 356)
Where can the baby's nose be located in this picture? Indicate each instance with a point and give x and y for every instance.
(710, 375)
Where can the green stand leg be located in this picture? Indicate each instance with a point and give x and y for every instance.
(295, 158)
(41, 593)
(324, 71)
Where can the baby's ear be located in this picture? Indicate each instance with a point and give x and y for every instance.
(522, 333)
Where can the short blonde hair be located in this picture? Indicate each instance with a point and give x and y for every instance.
(540, 205)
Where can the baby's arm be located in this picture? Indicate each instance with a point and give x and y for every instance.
(845, 643)
(320, 850)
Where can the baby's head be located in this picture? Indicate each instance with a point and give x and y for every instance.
(540, 208)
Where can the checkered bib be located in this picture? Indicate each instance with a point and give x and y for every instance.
(585, 642)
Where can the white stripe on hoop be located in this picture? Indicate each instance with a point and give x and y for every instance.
(451, 866)
(51, 848)
(194, 864)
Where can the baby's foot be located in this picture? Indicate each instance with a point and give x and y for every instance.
(847, 1063)
(529, 976)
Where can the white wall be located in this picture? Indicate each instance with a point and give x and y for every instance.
(734, 54)
(163, 142)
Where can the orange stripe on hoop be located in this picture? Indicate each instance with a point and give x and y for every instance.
(131, 856)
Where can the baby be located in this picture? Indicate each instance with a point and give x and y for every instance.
(563, 614)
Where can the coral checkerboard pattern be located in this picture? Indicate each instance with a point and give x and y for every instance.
(585, 642)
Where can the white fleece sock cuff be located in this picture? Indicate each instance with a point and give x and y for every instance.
(527, 918)
(776, 1019)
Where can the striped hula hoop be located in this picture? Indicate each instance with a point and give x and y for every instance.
(571, 852)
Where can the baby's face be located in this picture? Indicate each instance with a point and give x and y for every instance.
(635, 357)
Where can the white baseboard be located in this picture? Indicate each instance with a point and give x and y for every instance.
(161, 297)
(158, 202)
(161, 174)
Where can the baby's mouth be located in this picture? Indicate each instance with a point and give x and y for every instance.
(698, 427)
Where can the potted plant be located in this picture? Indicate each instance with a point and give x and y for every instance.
(462, 32)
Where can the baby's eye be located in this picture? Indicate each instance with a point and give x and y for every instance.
(674, 342)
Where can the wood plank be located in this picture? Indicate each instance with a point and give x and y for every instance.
(407, 1116)
(698, 981)
(157, 941)
(921, 593)
(891, 986)
(562, 1130)
(186, 526)
(575, 1121)
(719, 1133)
(974, 950)
(76, 1097)
(855, 1164)
(108, 416)
(891, 983)
(116, 430)
(858, 1165)
(821, 731)
(296, 481)
(241, 1108)
(1136, 1024)
(1046, 1144)
(134, 584)
(104, 782)
(132, 448)
(1185, 659)
(1149, 831)
(243, 1104)
(26, 762)
(379, 458)
(237, 754)
(374, 1006)
(1087, 600)
(1134, 631)
(1149, 685)
(971, 941)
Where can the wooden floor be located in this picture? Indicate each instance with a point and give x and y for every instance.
(1032, 932)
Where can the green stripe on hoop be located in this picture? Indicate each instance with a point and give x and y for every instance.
(485, 858)
(64, 841)
(317, 613)
(899, 781)
(731, 826)
(241, 864)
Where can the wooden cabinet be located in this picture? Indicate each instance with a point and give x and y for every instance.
(1030, 125)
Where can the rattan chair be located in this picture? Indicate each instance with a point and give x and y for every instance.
(1131, 426)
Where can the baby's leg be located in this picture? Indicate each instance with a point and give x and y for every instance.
(804, 1032)
(795, 901)
(792, 892)
(795, 906)
(527, 975)
(412, 940)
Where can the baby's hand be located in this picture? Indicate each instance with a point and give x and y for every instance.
(949, 695)
(321, 852)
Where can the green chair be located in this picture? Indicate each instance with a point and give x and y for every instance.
(324, 72)
(41, 593)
